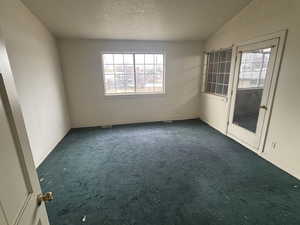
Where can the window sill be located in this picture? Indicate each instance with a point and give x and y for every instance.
(215, 96)
(252, 88)
(135, 94)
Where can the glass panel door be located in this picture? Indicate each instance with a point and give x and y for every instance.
(251, 91)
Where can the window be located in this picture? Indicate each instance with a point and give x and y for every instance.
(217, 71)
(253, 69)
(133, 73)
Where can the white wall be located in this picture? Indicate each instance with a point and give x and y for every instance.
(259, 18)
(81, 60)
(35, 64)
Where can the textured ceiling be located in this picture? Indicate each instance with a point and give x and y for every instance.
(135, 19)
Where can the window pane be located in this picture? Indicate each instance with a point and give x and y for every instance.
(253, 68)
(225, 89)
(159, 68)
(226, 79)
(223, 56)
(130, 83)
(214, 77)
(139, 58)
(209, 77)
(108, 69)
(122, 76)
(149, 59)
(158, 82)
(215, 68)
(219, 89)
(128, 59)
(228, 55)
(109, 83)
(149, 70)
(217, 56)
(218, 70)
(140, 69)
(120, 84)
(140, 82)
(149, 83)
(213, 87)
(210, 68)
(118, 59)
(108, 59)
(159, 59)
(222, 67)
(129, 69)
(227, 67)
(119, 69)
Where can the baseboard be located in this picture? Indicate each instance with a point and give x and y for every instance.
(48, 153)
(134, 122)
(260, 154)
(213, 126)
(287, 170)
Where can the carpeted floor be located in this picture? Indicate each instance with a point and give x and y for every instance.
(181, 173)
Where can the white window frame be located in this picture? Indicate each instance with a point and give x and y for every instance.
(205, 73)
(163, 92)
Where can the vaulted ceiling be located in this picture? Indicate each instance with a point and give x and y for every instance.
(135, 19)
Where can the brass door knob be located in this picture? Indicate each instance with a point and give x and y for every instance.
(264, 107)
(48, 196)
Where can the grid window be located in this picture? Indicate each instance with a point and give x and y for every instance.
(218, 71)
(133, 73)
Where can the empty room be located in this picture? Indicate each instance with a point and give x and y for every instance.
(149, 112)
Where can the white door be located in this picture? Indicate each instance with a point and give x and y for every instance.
(251, 97)
(19, 185)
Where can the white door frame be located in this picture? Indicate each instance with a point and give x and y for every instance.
(235, 130)
(281, 36)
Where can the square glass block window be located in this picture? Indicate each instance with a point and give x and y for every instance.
(133, 73)
(218, 71)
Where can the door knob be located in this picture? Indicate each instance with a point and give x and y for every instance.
(264, 107)
(48, 196)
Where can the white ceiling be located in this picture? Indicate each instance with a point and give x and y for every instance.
(135, 19)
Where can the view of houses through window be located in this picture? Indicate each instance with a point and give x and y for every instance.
(133, 73)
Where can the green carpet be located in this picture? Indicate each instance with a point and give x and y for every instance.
(181, 173)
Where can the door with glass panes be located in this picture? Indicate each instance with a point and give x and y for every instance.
(251, 98)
